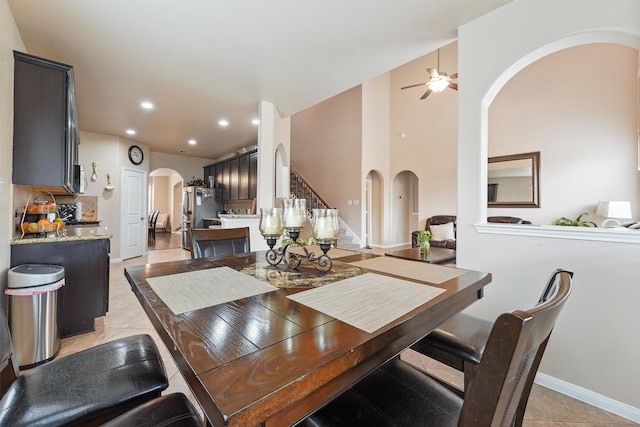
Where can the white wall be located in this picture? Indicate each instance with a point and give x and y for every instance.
(188, 167)
(326, 150)
(424, 132)
(110, 153)
(596, 344)
(375, 155)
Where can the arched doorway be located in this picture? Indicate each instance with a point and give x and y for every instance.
(281, 173)
(165, 196)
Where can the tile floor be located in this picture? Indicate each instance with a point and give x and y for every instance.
(546, 408)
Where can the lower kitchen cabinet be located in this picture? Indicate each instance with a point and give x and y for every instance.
(85, 295)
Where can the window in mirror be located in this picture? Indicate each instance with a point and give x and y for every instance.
(513, 181)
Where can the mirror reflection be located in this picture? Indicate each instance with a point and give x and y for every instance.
(513, 180)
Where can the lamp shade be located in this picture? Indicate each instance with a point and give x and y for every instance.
(614, 209)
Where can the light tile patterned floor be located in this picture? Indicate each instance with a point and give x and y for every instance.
(126, 317)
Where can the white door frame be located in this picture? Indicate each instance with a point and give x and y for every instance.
(133, 216)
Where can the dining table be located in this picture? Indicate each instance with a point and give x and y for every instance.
(267, 345)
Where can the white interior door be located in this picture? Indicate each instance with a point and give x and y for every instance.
(134, 213)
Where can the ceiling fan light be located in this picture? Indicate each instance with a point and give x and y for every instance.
(438, 85)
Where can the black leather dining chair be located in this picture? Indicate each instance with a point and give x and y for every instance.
(207, 242)
(84, 388)
(398, 394)
(171, 410)
(460, 341)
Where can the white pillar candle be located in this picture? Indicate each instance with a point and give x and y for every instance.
(293, 217)
(272, 225)
(325, 228)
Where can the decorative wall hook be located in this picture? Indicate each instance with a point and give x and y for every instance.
(94, 175)
(109, 187)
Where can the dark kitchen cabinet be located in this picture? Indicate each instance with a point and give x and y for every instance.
(225, 181)
(45, 132)
(85, 295)
(253, 175)
(235, 178)
(243, 177)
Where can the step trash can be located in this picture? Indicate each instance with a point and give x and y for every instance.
(32, 291)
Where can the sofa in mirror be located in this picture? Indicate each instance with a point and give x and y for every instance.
(514, 181)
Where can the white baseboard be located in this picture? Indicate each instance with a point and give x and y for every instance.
(590, 397)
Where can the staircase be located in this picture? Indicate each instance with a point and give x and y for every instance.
(299, 188)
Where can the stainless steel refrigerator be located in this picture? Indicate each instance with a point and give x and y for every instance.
(197, 203)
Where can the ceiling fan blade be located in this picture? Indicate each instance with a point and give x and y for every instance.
(427, 93)
(454, 76)
(418, 84)
(433, 73)
(453, 86)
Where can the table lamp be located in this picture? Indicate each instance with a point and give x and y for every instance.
(613, 210)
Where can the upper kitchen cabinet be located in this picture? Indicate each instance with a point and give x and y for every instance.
(45, 132)
(235, 178)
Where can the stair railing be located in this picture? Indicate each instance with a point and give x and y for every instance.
(300, 189)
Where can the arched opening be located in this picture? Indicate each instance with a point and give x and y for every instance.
(281, 173)
(165, 196)
(577, 126)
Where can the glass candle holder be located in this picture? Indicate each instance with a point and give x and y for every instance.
(270, 221)
(325, 225)
(295, 213)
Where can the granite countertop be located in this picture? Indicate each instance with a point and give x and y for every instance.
(232, 216)
(68, 234)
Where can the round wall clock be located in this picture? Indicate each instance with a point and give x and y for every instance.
(135, 154)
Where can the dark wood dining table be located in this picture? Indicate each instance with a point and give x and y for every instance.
(268, 360)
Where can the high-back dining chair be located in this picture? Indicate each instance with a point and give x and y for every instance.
(207, 242)
(398, 394)
(151, 231)
(460, 341)
(85, 388)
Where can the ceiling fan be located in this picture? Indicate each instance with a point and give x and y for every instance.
(438, 81)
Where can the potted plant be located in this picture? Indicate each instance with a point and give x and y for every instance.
(576, 222)
(195, 182)
(424, 237)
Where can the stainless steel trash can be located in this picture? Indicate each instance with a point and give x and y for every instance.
(32, 291)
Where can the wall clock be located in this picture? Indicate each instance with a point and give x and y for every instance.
(135, 154)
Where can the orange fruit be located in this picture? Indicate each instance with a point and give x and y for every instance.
(43, 221)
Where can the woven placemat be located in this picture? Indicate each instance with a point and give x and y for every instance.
(193, 290)
(368, 302)
(417, 270)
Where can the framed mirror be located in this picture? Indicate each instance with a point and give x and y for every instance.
(514, 181)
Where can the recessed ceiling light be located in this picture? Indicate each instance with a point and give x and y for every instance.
(131, 132)
(255, 122)
(192, 142)
(223, 122)
(146, 105)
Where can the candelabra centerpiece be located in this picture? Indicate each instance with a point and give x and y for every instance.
(291, 220)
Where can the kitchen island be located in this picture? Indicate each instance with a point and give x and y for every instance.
(84, 254)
